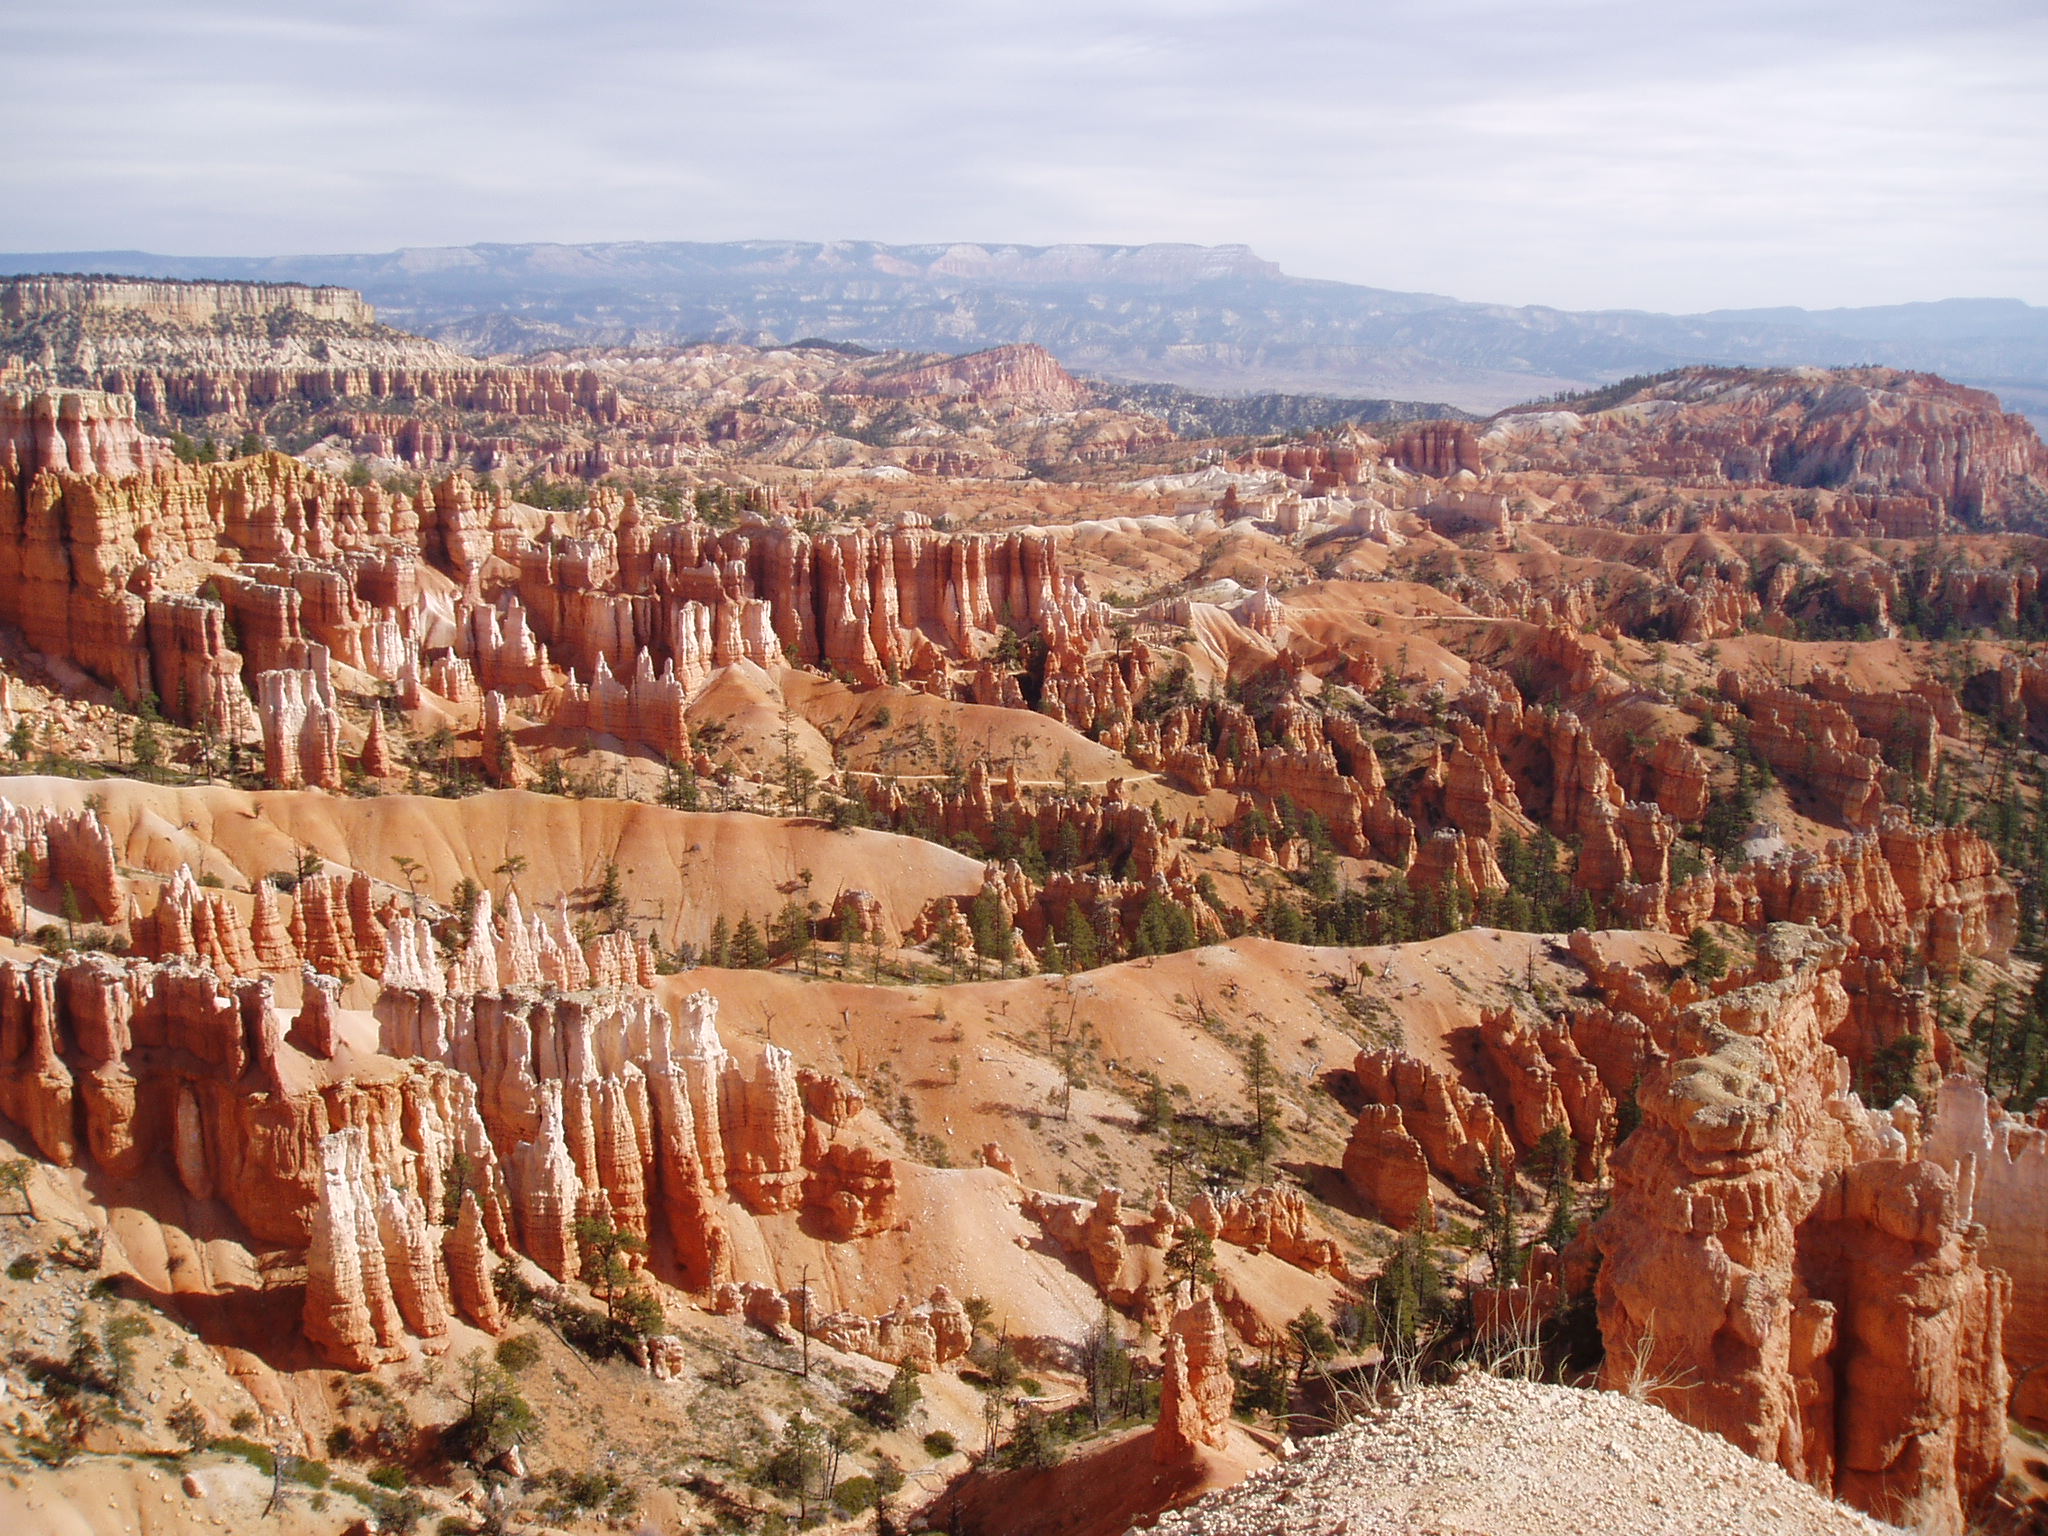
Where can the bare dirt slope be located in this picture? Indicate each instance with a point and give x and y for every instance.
(679, 870)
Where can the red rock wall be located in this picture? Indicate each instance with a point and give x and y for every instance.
(1784, 1268)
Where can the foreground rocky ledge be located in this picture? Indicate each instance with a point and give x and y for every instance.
(1490, 1457)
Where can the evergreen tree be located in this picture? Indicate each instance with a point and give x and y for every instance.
(1082, 952)
(679, 790)
(749, 953)
(793, 932)
(1312, 1340)
(149, 752)
(1106, 1369)
(901, 1397)
(1283, 920)
(990, 926)
(1259, 1092)
(1409, 1292)
(1706, 957)
(1498, 1202)
(1192, 1258)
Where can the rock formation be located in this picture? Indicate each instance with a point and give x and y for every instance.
(1387, 1168)
(1869, 431)
(1456, 1128)
(2006, 1161)
(1788, 1266)
(1195, 1395)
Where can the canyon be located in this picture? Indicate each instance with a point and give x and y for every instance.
(727, 892)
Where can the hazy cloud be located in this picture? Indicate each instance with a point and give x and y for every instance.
(1578, 152)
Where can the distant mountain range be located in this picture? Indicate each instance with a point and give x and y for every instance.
(1218, 319)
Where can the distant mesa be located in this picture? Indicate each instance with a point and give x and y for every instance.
(1219, 319)
(172, 301)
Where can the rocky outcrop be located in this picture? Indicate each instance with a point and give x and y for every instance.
(1815, 742)
(1277, 1221)
(301, 730)
(1934, 890)
(1791, 1269)
(74, 431)
(1439, 449)
(1870, 432)
(761, 1126)
(168, 301)
(924, 1336)
(1457, 1130)
(1196, 1391)
(869, 604)
(1024, 373)
(466, 1250)
(1093, 1232)
(66, 855)
(2007, 1159)
(491, 1122)
(197, 923)
(1316, 762)
(378, 760)
(1387, 1169)
(351, 1316)
(606, 622)
(1537, 1076)
(337, 926)
(854, 1190)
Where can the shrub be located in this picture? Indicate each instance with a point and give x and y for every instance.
(1035, 1444)
(639, 1311)
(940, 1444)
(397, 1512)
(258, 1456)
(519, 1351)
(997, 1362)
(189, 1425)
(573, 1493)
(26, 1267)
(902, 1395)
(856, 1496)
(1706, 956)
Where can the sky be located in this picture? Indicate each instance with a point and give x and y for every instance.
(1655, 154)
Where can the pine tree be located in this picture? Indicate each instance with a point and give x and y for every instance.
(793, 932)
(990, 926)
(1706, 956)
(1105, 1368)
(1192, 1258)
(1258, 1085)
(1409, 1290)
(902, 1395)
(1503, 1242)
(1081, 950)
(149, 752)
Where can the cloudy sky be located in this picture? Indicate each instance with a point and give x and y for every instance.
(1661, 154)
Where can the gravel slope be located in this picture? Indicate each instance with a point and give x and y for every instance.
(1488, 1457)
